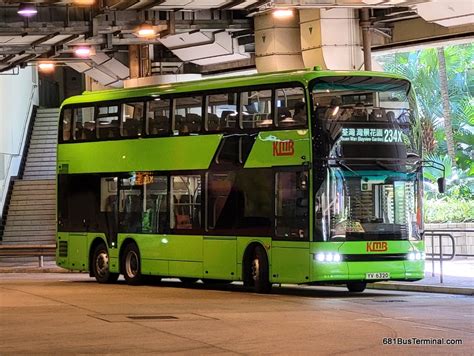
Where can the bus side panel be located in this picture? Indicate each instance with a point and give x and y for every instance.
(167, 153)
(291, 262)
(169, 255)
(220, 257)
(280, 148)
(74, 249)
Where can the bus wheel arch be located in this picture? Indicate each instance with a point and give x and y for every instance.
(130, 262)
(99, 262)
(256, 268)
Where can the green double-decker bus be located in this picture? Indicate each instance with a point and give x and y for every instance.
(306, 176)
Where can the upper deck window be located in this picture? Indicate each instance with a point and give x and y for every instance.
(187, 115)
(158, 116)
(257, 109)
(222, 112)
(84, 123)
(366, 117)
(291, 107)
(132, 119)
(67, 124)
(108, 121)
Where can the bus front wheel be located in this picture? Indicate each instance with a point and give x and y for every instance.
(356, 287)
(259, 271)
(100, 265)
(131, 267)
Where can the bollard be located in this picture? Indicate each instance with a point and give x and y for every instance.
(40, 261)
(440, 258)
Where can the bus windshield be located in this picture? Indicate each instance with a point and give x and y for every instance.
(363, 117)
(367, 151)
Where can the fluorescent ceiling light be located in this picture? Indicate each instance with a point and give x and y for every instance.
(27, 10)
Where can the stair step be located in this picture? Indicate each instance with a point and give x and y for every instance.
(19, 235)
(36, 194)
(37, 176)
(38, 182)
(29, 228)
(44, 160)
(29, 202)
(42, 166)
(33, 212)
(19, 210)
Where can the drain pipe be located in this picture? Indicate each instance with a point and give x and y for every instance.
(366, 38)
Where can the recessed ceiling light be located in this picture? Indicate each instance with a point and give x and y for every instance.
(46, 67)
(27, 10)
(83, 52)
(282, 13)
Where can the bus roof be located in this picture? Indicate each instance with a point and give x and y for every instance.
(303, 76)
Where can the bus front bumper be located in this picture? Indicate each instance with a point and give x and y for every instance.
(368, 271)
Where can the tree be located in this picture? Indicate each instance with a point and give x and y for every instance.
(443, 79)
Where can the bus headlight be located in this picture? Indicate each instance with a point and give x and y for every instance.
(328, 257)
(416, 256)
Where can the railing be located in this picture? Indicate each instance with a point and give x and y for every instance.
(11, 155)
(440, 255)
(39, 251)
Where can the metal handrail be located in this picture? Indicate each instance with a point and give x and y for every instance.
(441, 255)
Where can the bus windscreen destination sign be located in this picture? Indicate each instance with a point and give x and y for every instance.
(371, 135)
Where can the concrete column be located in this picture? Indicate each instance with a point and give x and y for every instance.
(366, 38)
(330, 38)
(277, 43)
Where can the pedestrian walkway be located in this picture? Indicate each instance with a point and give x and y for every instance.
(458, 278)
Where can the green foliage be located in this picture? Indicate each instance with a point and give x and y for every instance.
(421, 67)
(449, 209)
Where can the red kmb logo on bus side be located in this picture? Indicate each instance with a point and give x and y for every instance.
(284, 148)
(377, 246)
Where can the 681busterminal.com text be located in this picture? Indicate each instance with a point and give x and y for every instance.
(420, 341)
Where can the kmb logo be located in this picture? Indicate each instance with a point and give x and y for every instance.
(376, 246)
(284, 148)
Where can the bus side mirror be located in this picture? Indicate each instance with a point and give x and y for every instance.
(441, 185)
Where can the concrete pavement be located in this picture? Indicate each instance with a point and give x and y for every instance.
(68, 313)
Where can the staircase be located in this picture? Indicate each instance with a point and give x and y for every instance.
(31, 210)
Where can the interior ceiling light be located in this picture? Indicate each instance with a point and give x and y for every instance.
(83, 52)
(282, 13)
(46, 67)
(27, 10)
(83, 2)
(146, 31)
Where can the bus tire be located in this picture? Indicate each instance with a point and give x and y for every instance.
(356, 287)
(216, 281)
(259, 271)
(188, 280)
(131, 266)
(100, 265)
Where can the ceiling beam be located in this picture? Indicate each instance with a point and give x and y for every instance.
(231, 4)
(43, 39)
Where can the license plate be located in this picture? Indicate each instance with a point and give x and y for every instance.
(377, 275)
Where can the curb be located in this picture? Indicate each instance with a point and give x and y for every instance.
(33, 270)
(421, 288)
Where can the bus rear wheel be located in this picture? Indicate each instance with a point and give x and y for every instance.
(188, 280)
(100, 265)
(131, 266)
(259, 271)
(216, 281)
(356, 287)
